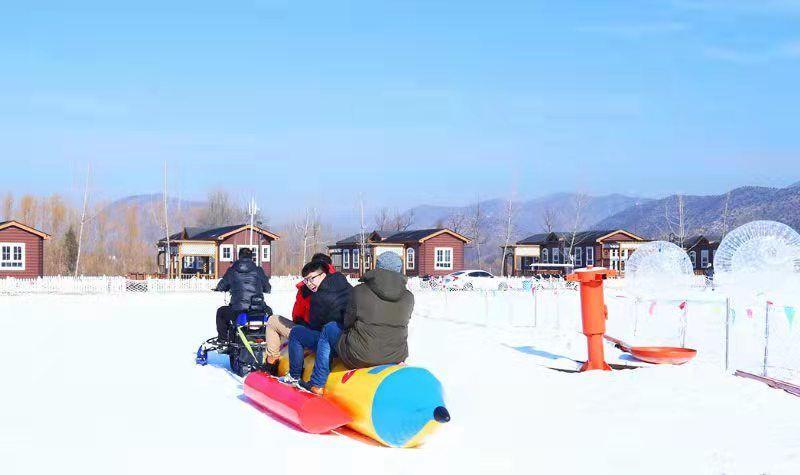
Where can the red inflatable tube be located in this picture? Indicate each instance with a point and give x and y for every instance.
(307, 411)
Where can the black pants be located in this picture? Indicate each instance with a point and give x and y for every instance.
(225, 317)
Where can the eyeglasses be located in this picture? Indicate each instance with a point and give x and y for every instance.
(310, 278)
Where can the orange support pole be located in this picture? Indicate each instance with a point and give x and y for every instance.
(593, 313)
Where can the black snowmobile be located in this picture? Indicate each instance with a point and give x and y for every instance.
(245, 344)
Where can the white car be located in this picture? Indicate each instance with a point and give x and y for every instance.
(474, 279)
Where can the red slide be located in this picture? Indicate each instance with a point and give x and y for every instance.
(307, 411)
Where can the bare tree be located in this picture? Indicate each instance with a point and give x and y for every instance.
(725, 215)
(509, 225)
(549, 216)
(382, 219)
(316, 231)
(307, 229)
(578, 203)
(27, 211)
(676, 220)
(55, 216)
(8, 207)
(456, 222)
(130, 249)
(401, 221)
(220, 210)
(477, 227)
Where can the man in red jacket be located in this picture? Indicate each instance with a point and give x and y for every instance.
(278, 327)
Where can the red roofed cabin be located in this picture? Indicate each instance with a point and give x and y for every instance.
(424, 251)
(21, 250)
(209, 252)
(549, 253)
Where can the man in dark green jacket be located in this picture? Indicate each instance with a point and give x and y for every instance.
(376, 321)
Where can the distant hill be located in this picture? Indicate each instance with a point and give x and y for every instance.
(156, 199)
(530, 214)
(704, 214)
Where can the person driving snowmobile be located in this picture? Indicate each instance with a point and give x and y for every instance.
(244, 280)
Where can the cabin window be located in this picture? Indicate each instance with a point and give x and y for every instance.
(346, 259)
(444, 258)
(336, 257)
(226, 253)
(266, 253)
(410, 259)
(589, 256)
(356, 262)
(693, 257)
(544, 256)
(252, 248)
(12, 256)
(578, 257)
(556, 256)
(704, 258)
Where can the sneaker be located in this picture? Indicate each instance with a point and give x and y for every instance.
(288, 379)
(305, 385)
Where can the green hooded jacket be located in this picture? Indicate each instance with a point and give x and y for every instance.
(376, 321)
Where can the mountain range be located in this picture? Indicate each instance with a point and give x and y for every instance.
(650, 218)
(707, 214)
(558, 211)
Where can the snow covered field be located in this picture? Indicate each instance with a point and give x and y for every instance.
(107, 384)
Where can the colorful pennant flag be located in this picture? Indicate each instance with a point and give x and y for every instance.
(683, 306)
(733, 315)
(789, 311)
(652, 308)
(749, 313)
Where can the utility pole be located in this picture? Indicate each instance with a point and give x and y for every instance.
(168, 253)
(252, 208)
(363, 239)
(83, 217)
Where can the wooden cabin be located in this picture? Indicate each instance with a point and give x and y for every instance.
(209, 252)
(604, 248)
(701, 250)
(21, 250)
(425, 252)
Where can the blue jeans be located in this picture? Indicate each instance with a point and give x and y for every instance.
(324, 343)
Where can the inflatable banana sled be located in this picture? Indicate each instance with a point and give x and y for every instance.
(396, 405)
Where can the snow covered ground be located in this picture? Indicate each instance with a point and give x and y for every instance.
(103, 384)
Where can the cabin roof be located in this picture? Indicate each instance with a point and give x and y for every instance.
(581, 237)
(399, 237)
(213, 233)
(24, 227)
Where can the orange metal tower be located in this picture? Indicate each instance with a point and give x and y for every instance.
(593, 312)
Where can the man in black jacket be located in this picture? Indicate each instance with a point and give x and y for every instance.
(331, 294)
(244, 280)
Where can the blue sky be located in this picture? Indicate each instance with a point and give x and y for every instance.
(306, 103)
